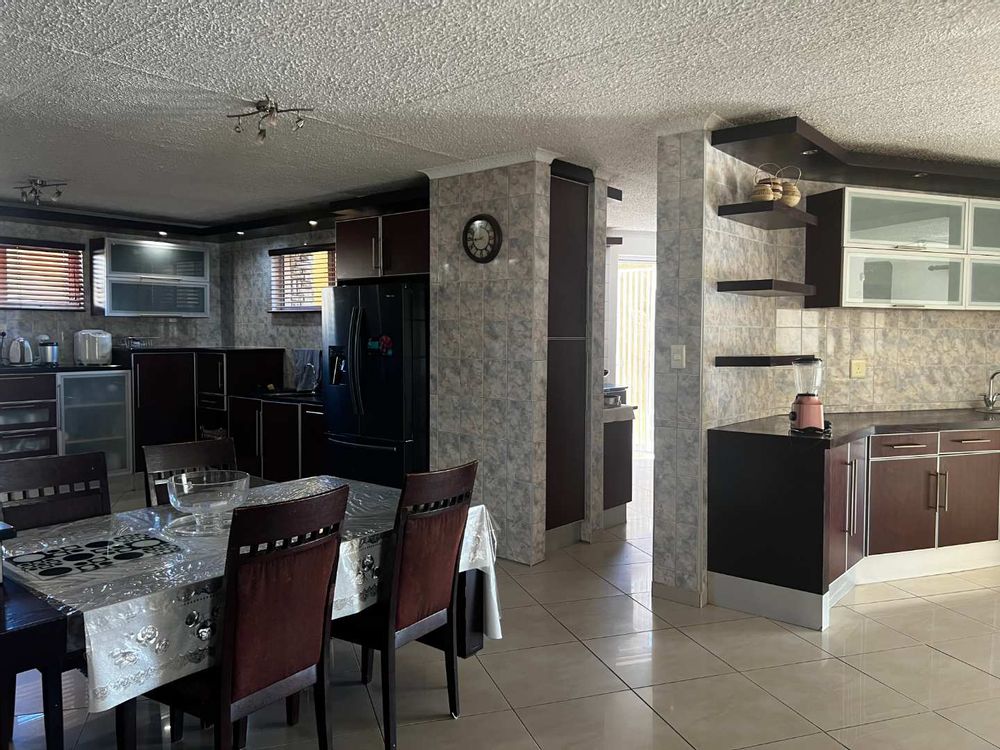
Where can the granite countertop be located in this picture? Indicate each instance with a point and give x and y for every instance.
(309, 399)
(154, 349)
(50, 370)
(850, 426)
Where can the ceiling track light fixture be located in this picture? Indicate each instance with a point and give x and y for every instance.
(34, 191)
(266, 111)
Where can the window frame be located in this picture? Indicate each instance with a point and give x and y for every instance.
(24, 243)
(331, 276)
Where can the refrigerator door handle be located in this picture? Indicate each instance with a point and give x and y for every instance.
(356, 364)
(350, 358)
(349, 444)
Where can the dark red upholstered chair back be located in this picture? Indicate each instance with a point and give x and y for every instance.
(53, 489)
(164, 461)
(279, 586)
(433, 512)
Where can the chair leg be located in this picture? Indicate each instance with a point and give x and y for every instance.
(52, 705)
(451, 666)
(388, 658)
(125, 725)
(367, 662)
(8, 689)
(176, 725)
(323, 737)
(240, 733)
(224, 730)
(293, 708)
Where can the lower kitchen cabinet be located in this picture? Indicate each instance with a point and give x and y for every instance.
(279, 441)
(244, 429)
(313, 443)
(94, 415)
(857, 515)
(969, 498)
(903, 499)
(163, 399)
(838, 463)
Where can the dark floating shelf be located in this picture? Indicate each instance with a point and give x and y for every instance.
(768, 215)
(767, 288)
(758, 360)
(793, 141)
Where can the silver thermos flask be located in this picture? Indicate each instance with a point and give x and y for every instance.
(48, 353)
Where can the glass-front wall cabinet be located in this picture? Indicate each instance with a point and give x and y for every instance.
(877, 218)
(95, 416)
(985, 227)
(984, 282)
(157, 259)
(895, 279)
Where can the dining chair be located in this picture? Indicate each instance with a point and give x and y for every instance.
(418, 598)
(280, 569)
(44, 491)
(164, 461)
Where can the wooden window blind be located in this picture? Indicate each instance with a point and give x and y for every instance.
(299, 276)
(41, 276)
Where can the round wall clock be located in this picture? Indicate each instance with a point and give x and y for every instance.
(482, 238)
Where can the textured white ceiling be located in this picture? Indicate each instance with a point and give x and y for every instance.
(125, 98)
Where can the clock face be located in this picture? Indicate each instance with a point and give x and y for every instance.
(482, 238)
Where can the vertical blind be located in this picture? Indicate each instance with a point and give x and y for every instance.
(298, 278)
(41, 278)
(634, 344)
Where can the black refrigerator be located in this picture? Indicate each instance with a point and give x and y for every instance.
(375, 339)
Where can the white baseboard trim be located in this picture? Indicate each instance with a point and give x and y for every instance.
(679, 595)
(767, 600)
(616, 516)
(926, 562)
(562, 536)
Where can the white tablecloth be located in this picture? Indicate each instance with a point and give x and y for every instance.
(150, 621)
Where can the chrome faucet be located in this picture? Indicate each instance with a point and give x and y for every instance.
(990, 399)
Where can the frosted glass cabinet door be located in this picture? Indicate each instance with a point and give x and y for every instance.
(985, 226)
(984, 283)
(140, 258)
(147, 298)
(95, 416)
(904, 221)
(894, 279)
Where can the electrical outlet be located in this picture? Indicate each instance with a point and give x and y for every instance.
(859, 368)
(678, 356)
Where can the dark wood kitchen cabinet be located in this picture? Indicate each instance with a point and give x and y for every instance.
(903, 500)
(838, 470)
(211, 369)
(969, 498)
(279, 441)
(163, 394)
(244, 429)
(312, 441)
(389, 245)
(857, 511)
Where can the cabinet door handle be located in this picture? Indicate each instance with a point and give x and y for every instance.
(970, 441)
(314, 413)
(937, 490)
(138, 392)
(853, 500)
(946, 483)
(904, 446)
(256, 432)
(374, 257)
(218, 366)
(847, 510)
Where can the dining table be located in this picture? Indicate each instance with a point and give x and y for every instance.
(146, 601)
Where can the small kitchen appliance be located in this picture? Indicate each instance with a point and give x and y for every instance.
(807, 410)
(92, 347)
(48, 353)
(20, 352)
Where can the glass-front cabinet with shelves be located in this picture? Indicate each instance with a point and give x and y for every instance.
(95, 415)
(983, 283)
(894, 279)
(985, 226)
(904, 221)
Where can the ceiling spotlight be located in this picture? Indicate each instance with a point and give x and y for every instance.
(313, 222)
(267, 111)
(162, 233)
(810, 152)
(920, 174)
(35, 190)
(240, 232)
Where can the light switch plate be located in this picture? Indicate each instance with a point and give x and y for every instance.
(678, 356)
(859, 368)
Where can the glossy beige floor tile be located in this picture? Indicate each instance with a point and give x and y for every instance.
(643, 543)
(980, 604)
(630, 579)
(554, 561)
(29, 729)
(982, 719)
(833, 695)
(422, 689)
(604, 722)
(810, 742)
(603, 554)
(852, 633)
(923, 620)
(929, 585)
(928, 676)
(982, 652)
(680, 615)
(510, 592)
(549, 673)
(616, 615)
(528, 627)
(724, 712)
(753, 643)
(502, 730)
(566, 586)
(982, 576)
(867, 593)
(920, 732)
(658, 656)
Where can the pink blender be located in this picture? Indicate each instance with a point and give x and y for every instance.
(807, 410)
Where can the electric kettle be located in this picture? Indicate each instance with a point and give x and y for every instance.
(20, 352)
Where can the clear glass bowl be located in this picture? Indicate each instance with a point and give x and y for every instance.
(209, 497)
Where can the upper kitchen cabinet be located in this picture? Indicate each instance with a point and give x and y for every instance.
(881, 219)
(389, 245)
(985, 221)
(892, 279)
(148, 278)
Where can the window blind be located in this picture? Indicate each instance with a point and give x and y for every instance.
(43, 278)
(298, 278)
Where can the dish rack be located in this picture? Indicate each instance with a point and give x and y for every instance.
(137, 343)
